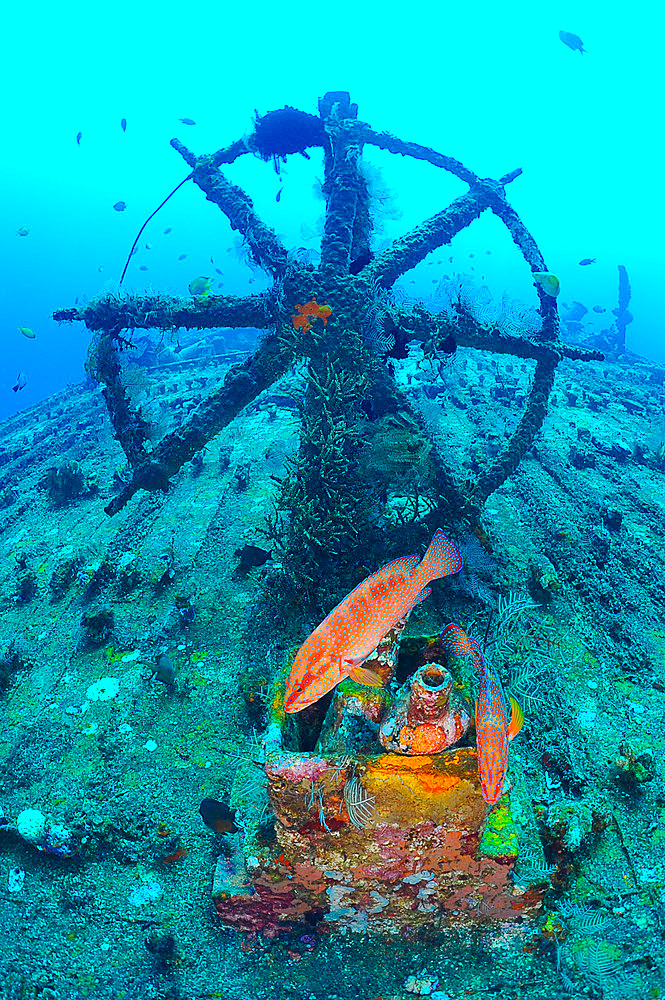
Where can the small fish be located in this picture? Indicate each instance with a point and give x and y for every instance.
(339, 646)
(182, 256)
(21, 382)
(250, 556)
(573, 42)
(599, 309)
(176, 856)
(100, 268)
(574, 312)
(78, 138)
(27, 332)
(200, 286)
(493, 729)
(279, 194)
(148, 246)
(548, 282)
(143, 267)
(23, 231)
(359, 262)
(167, 231)
(164, 670)
(211, 259)
(218, 816)
(187, 121)
(586, 261)
(120, 206)
(218, 271)
(123, 124)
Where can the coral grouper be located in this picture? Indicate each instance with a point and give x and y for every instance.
(343, 641)
(493, 728)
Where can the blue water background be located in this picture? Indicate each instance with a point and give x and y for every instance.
(490, 84)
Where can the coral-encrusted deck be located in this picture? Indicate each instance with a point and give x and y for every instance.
(379, 842)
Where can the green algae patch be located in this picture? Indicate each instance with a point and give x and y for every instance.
(499, 837)
(112, 655)
(199, 656)
(82, 761)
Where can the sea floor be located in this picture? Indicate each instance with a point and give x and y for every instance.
(119, 762)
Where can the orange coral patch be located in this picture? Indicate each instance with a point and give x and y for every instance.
(417, 774)
(301, 323)
(312, 308)
(427, 738)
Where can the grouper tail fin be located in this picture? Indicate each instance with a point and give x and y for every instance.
(441, 559)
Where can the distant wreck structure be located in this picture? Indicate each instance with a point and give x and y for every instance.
(340, 323)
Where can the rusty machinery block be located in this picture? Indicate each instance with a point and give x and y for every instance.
(374, 841)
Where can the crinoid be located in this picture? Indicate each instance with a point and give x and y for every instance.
(359, 803)
(350, 378)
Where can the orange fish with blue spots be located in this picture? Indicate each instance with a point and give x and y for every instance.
(339, 646)
(493, 729)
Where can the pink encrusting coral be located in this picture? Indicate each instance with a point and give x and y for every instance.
(424, 850)
(296, 768)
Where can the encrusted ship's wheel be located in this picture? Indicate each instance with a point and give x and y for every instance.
(341, 320)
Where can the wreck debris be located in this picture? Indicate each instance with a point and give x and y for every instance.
(428, 715)
(622, 313)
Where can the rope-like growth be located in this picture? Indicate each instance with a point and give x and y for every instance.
(151, 216)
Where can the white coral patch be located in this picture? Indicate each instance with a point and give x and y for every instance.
(31, 824)
(105, 689)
